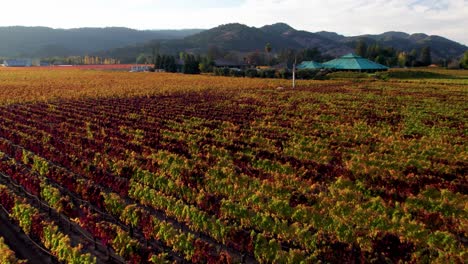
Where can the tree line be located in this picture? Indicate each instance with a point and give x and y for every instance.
(187, 63)
(194, 64)
(81, 60)
(389, 56)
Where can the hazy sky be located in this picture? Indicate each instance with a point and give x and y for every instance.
(447, 18)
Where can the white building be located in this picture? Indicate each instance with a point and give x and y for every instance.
(17, 63)
(140, 68)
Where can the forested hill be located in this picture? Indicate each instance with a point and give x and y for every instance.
(126, 44)
(45, 42)
(442, 48)
(242, 39)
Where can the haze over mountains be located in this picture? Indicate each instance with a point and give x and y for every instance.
(20, 41)
(126, 44)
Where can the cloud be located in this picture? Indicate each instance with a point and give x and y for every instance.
(447, 18)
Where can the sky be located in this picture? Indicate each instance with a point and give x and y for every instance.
(448, 18)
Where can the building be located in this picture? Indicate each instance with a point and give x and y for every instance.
(222, 63)
(310, 65)
(353, 62)
(262, 67)
(140, 68)
(17, 63)
(280, 66)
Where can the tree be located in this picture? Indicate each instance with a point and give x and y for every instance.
(182, 55)
(140, 59)
(402, 59)
(288, 56)
(255, 58)
(361, 48)
(268, 49)
(191, 64)
(454, 64)
(426, 58)
(233, 56)
(412, 57)
(157, 62)
(373, 51)
(392, 61)
(214, 52)
(168, 63)
(155, 53)
(308, 54)
(380, 59)
(206, 64)
(464, 60)
(171, 67)
(164, 62)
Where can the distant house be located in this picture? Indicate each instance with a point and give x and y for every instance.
(17, 63)
(353, 62)
(222, 63)
(263, 67)
(140, 68)
(280, 66)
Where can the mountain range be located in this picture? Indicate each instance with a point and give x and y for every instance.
(20, 41)
(126, 44)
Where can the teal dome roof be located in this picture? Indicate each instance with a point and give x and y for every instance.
(310, 65)
(352, 61)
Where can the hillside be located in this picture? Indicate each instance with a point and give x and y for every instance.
(241, 38)
(238, 38)
(44, 42)
(442, 48)
(126, 44)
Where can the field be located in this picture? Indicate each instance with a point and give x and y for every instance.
(117, 167)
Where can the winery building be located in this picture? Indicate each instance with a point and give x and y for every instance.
(349, 62)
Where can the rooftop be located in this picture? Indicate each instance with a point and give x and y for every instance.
(310, 65)
(352, 61)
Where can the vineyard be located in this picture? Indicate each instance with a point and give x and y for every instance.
(117, 167)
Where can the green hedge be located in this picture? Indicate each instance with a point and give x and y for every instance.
(348, 75)
(411, 75)
(236, 73)
(271, 73)
(221, 71)
(306, 74)
(252, 73)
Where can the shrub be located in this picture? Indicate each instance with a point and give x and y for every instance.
(252, 73)
(348, 75)
(322, 75)
(236, 73)
(306, 74)
(269, 73)
(221, 71)
(283, 74)
(412, 75)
